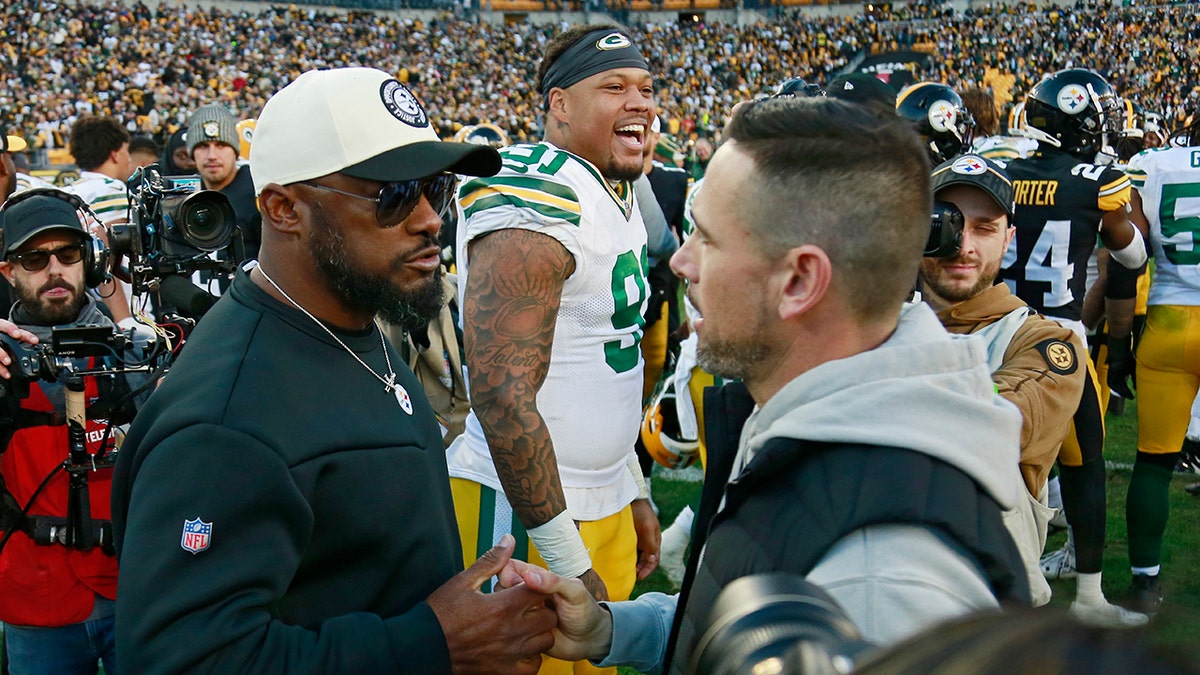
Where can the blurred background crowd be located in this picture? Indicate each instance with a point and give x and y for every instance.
(152, 66)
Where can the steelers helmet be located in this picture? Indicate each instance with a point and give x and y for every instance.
(482, 134)
(938, 114)
(660, 430)
(1072, 110)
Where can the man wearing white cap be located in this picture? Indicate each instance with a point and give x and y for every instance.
(283, 504)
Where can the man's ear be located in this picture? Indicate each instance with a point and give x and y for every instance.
(558, 103)
(277, 204)
(807, 274)
(6, 268)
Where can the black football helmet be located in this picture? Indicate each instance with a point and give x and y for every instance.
(797, 87)
(938, 114)
(1072, 110)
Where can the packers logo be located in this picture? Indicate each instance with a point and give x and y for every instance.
(1059, 355)
(613, 41)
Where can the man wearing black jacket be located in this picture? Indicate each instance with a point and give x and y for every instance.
(283, 504)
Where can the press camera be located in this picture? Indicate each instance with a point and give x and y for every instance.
(176, 227)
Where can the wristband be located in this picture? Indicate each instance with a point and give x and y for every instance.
(558, 542)
(636, 469)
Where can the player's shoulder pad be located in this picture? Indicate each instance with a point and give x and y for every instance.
(1060, 356)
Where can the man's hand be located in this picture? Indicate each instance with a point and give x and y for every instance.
(11, 329)
(594, 584)
(584, 628)
(649, 537)
(1121, 367)
(501, 632)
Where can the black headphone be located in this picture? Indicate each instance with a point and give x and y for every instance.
(96, 269)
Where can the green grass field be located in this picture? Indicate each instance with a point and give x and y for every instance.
(1179, 622)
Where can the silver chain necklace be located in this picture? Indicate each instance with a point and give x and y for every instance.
(389, 382)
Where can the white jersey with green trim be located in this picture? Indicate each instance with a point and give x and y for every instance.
(591, 398)
(107, 197)
(1168, 180)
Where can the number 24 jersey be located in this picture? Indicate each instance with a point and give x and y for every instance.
(1060, 203)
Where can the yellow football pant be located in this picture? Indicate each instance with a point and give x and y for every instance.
(1168, 375)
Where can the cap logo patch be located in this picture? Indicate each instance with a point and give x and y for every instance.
(1072, 98)
(1059, 355)
(613, 41)
(401, 103)
(942, 115)
(969, 165)
(197, 535)
(212, 130)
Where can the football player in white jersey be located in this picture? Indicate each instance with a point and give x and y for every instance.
(552, 275)
(1167, 200)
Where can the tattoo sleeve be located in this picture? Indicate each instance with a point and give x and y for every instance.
(514, 286)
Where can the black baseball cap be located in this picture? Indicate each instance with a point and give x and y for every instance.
(862, 88)
(980, 172)
(35, 214)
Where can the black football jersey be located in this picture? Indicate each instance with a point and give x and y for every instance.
(1060, 203)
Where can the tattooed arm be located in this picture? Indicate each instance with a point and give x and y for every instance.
(514, 286)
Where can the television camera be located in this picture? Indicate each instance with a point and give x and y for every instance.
(176, 229)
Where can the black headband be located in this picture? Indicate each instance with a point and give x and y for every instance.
(596, 52)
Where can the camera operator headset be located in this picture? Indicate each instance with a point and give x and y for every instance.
(57, 436)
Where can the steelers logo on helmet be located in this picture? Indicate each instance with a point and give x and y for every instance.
(212, 130)
(401, 103)
(612, 41)
(1072, 98)
(969, 165)
(943, 115)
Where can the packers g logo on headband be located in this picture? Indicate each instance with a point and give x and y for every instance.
(613, 41)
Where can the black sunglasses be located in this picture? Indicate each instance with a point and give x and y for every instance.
(396, 201)
(37, 259)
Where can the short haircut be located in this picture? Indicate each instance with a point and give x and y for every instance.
(145, 144)
(94, 138)
(982, 106)
(838, 176)
(563, 41)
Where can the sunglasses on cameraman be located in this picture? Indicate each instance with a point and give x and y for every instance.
(396, 201)
(37, 259)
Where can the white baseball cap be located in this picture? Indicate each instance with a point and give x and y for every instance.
(358, 121)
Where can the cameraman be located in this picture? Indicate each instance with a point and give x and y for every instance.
(58, 601)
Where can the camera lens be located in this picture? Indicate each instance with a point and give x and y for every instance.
(205, 220)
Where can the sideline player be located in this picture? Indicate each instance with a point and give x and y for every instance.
(1063, 200)
(1167, 201)
(552, 259)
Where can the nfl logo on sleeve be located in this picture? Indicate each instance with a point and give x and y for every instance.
(197, 535)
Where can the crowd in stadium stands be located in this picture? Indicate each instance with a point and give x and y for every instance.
(151, 67)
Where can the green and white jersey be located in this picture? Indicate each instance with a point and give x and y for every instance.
(107, 197)
(1168, 180)
(591, 398)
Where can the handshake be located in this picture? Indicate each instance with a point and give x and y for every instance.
(531, 612)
